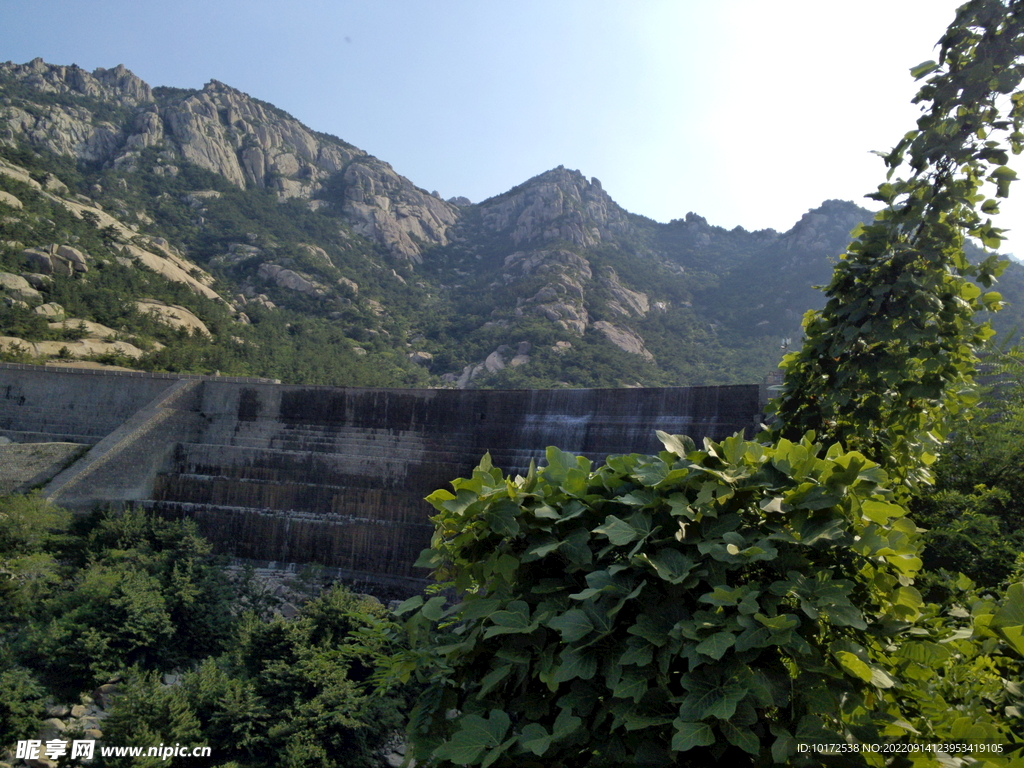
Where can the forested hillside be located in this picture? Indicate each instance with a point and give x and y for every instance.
(206, 231)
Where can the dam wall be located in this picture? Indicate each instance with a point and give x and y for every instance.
(330, 475)
(68, 405)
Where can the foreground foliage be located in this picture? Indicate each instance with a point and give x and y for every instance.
(974, 517)
(725, 602)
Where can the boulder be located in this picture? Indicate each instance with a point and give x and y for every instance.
(173, 315)
(317, 255)
(421, 358)
(87, 328)
(6, 198)
(51, 310)
(624, 339)
(17, 288)
(52, 184)
(105, 694)
(52, 728)
(496, 360)
(76, 258)
(38, 260)
(38, 281)
(293, 281)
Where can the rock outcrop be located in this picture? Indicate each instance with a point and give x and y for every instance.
(386, 207)
(17, 288)
(557, 205)
(624, 339)
(625, 301)
(173, 315)
(561, 297)
(223, 130)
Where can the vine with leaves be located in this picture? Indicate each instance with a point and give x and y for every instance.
(890, 358)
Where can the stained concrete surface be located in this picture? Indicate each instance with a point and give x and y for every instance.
(287, 475)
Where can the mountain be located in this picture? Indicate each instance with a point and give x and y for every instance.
(205, 230)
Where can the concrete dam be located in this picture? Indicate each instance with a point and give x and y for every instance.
(301, 474)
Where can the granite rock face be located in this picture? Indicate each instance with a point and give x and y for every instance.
(558, 205)
(624, 339)
(561, 298)
(219, 128)
(386, 207)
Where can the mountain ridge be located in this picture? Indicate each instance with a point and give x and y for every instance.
(551, 283)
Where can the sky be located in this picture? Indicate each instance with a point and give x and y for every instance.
(745, 112)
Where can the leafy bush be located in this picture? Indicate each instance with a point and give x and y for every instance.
(685, 606)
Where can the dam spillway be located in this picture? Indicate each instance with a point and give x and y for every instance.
(328, 475)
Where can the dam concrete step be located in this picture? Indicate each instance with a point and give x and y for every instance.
(21, 436)
(353, 445)
(355, 543)
(291, 497)
(351, 456)
(324, 439)
(48, 422)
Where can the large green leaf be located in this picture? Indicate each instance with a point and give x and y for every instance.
(632, 685)
(475, 734)
(514, 619)
(501, 517)
(535, 738)
(691, 734)
(680, 445)
(575, 663)
(671, 565)
(709, 696)
(573, 625)
(716, 645)
(619, 532)
(742, 737)
(1008, 620)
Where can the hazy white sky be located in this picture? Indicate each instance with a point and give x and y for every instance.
(744, 111)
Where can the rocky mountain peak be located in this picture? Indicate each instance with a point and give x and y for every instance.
(227, 132)
(559, 204)
(118, 85)
(831, 222)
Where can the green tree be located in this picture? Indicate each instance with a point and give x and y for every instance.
(696, 605)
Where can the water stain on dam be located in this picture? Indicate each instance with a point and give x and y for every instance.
(328, 475)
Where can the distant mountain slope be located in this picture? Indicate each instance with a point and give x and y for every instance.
(205, 230)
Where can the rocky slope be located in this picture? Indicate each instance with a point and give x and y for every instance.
(237, 239)
(109, 116)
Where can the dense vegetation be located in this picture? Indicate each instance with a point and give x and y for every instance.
(130, 598)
